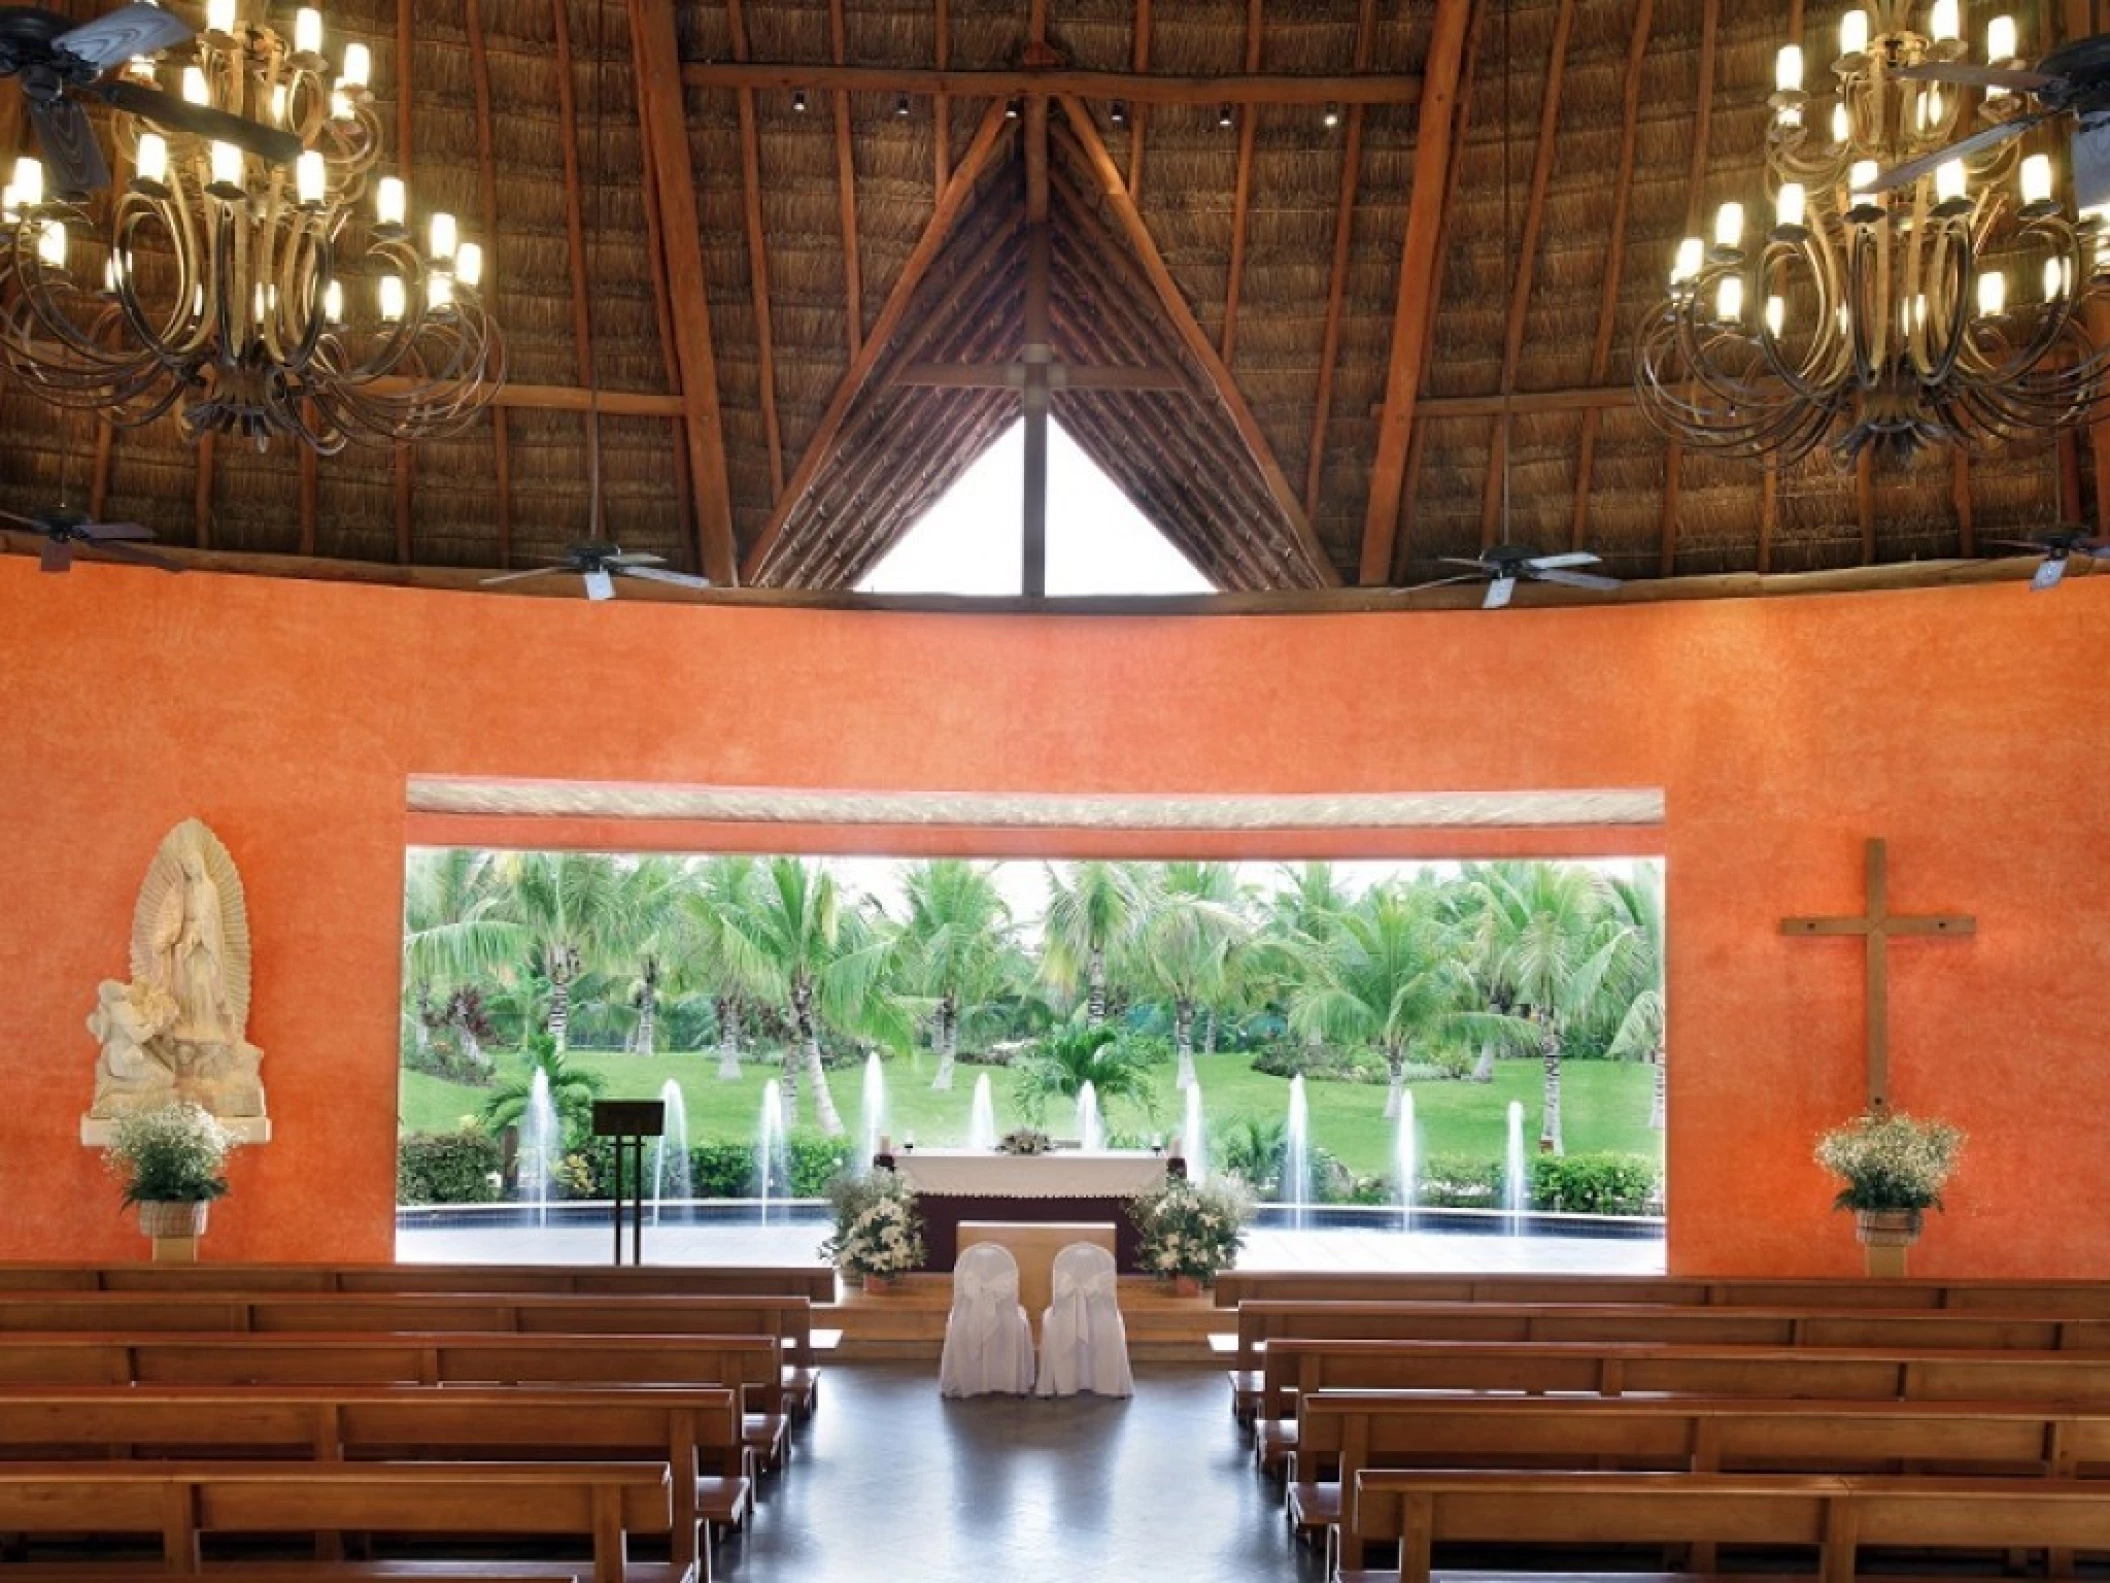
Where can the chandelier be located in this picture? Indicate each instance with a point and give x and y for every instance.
(1945, 308)
(252, 298)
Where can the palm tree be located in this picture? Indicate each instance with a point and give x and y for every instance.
(649, 928)
(1541, 940)
(724, 891)
(956, 947)
(572, 1090)
(822, 963)
(1385, 974)
(566, 902)
(1061, 1063)
(450, 937)
(1636, 911)
(1092, 913)
(1189, 925)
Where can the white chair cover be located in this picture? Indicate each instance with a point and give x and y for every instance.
(988, 1342)
(1083, 1342)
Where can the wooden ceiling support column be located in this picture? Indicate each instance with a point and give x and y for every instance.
(1695, 191)
(1242, 185)
(1111, 189)
(1493, 494)
(1412, 315)
(665, 118)
(487, 192)
(822, 444)
(1615, 263)
(1038, 351)
(1138, 110)
(405, 98)
(1337, 282)
(670, 357)
(758, 256)
(846, 182)
(2079, 20)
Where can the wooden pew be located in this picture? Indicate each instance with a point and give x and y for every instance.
(750, 1365)
(1839, 1519)
(182, 1504)
(1346, 1432)
(815, 1281)
(696, 1431)
(2064, 1299)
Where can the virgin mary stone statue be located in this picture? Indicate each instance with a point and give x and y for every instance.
(177, 1031)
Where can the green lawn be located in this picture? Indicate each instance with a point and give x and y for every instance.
(1605, 1104)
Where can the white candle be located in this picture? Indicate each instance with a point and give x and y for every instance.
(333, 303)
(310, 177)
(1853, 33)
(1787, 69)
(29, 181)
(307, 31)
(1949, 180)
(227, 165)
(1790, 205)
(2000, 41)
(391, 297)
(444, 234)
(2036, 178)
(1729, 300)
(390, 200)
(51, 244)
(1729, 226)
(153, 162)
(1992, 294)
(1691, 252)
(1859, 178)
(1776, 315)
(219, 15)
(358, 66)
(1945, 21)
(469, 265)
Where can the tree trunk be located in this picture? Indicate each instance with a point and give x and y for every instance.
(1656, 1107)
(1396, 1064)
(1209, 1032)
(948, 1038)
(1095, 990)
(648, 1009)
(1183, 1040)
(560, 1012)
(1484, 1068)
(728, 1040)
(471, 1048)
(808, 1041)
(1550, 1126)
(421, 1037)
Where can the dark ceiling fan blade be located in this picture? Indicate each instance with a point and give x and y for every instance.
(99, 532)
(1477, 562)
(1568, 579)
(138, 552)
(179, 115)
(1547, 563)
(633, 558)
(1963, 148)
(76, 160)
(1441, 582)
(131, 30)
(28, 522)
(2035, 546)
(515, 577)
(599, 585)
(1499, 593)
(1966, 75)
(55, 556)
(656, 575)
(2049, 575)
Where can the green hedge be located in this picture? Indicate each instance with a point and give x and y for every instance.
(448, 1168)
(1594, 1184)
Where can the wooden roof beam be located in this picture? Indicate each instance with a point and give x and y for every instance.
(487, 193)
(405, 99)
(665, 118)
(1242, 185)
(1695, 191)
(1494, 496)
(822, 444)
(940, 105)
(1107, 179)
(1412, 318)
(1139, 111)
(758, 256)
(1014, 82)
(846, 184)
(2079, 19)
(1337, 282)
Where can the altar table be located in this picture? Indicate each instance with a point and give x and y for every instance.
(953, 1185)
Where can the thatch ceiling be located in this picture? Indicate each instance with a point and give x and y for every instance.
(841, 247)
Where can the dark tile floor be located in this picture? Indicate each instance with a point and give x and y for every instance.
(889, 1481)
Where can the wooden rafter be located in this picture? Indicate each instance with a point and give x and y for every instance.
(1493, 493)
(1061, 376)
(1337, 282)
(941, 105)
(1695, 192)
(487, 193)
(1114, 192)
(758, 257)
(670, 354)
(1411, 315)
(206, 451)
(822, 444)
(1769, 483)
(846, 184)
(660, 107)
(405, 99)
(1139, 108)
(1242, 186)
(1615, 262)
(1960, 501)
(1138, 87)
(574, 203)
(1865, 504)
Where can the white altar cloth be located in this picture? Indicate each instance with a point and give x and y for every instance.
(1067, 1173)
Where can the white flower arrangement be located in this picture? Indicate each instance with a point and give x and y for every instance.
(878, 1229)
(1192, 1230)
(1891, 1161)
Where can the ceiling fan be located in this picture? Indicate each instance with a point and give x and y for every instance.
(600, 564)
(60, 64)
(62, 528)
(2058, 546)
(2074, 77)
(1503, 566)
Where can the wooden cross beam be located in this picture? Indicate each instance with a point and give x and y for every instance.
(1876, 925)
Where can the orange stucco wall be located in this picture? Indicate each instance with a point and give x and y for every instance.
(1958, 723)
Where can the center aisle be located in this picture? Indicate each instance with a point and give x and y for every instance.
(891, 1481)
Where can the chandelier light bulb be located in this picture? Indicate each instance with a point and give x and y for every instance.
(1787, 69)
(2036, 179)
(340, 105)
(8, 206)
(194, 89)
(152, 164)
(392, 298)
(1859, 178)
(2054, 279)
(1840, 125)
(227, 165)
(311, 177)
(1776, 316)
(1950, 180)
(1853, 33)
(307, 31)
(1790, 204)
(1945, 22)
(279, 101)
(51, 244)
(1332, 117)
(333, 303)
(1992, 294)
(1729, 227)
(219, 15)
(390, 201)
(1729, 300)
(439, 291)
(29, 181)
(2000, 41)
(1686, 267)
(358, 66)
(469, 265)
(444, 235)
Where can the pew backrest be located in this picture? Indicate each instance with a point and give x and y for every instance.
(815, 1281)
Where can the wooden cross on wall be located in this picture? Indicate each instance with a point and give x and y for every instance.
(1876, 926)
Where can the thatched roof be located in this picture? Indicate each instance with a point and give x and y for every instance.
(843, 245)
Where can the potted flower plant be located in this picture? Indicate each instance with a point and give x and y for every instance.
(171, 1162)
(1894, 1167)
(878, 1229)
(1191, 1230)
(1024, 1140)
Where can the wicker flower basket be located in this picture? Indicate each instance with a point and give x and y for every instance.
(162, 1218)
(1887, 1228)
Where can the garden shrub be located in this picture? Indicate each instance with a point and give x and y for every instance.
(1460, 1181)
(447, 1168)
(1593, 1184)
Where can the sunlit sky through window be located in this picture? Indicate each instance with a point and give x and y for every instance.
(1098, 543)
